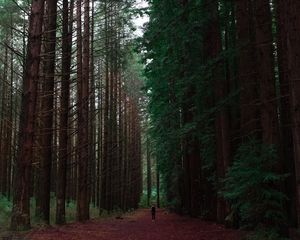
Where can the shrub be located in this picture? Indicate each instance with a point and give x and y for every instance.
(252, 187)
(265, 234)
(5, 211)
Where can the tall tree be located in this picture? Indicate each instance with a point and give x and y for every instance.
(266, 71)
(64, 149)
(293, 38)
(247, 72)
(105, 166)
(149, 182)
(83, 110)
(92, 118)
(221, 88)
(4, 123)
(286, 137)
(22, 178)
(47, 108)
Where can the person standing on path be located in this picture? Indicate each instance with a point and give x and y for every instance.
(153, 212)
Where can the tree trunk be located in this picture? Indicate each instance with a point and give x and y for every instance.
(11, 129)
(46, 137)
(149, 185)
(293, 49)
(21, 201)
(223, 141)
(157, 186)
(92, 119)
(83, 120)
(266, 74)
(105, 166)
(247, 73)
(64, 150)
(286, 139)
(4, 126)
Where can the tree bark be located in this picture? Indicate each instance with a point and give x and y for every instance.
(83, 120)
(221, 90)
(92, 119)
(293, 49)
(64, 150)
(247, 73)
(47, 99)
(105, 166)
(157, 186)
(149, 185)
(266, 72)
(286, 136)
(4, 125)
(21, 201)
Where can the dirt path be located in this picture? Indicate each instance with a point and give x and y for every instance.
(138, 227)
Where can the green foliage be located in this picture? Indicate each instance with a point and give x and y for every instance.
(10, 14)
(6, 208)
(174, 58)
(162, 199)
(71, 211)
(252, 187)
(143, 202)
(117, 212)
(179, 79)
(5, 211)
(265, 234)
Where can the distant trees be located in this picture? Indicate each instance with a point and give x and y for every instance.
(79, 124)
(9, 105)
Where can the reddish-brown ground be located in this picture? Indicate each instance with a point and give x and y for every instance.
(139, 226)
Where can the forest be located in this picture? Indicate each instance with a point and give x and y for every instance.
(111, 107)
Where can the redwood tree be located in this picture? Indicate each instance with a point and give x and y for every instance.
(64, 149)
(83, 110)
(47, 108)
(221, 88)
(247, 72)
(286, 137)
(22, 178)
(266, 71)
(293, 50)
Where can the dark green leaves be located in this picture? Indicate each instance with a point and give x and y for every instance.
(252, 185)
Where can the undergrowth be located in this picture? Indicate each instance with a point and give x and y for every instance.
(153, 201)
(265, 234)
(5, 212)
(6, 209)
(252, 187)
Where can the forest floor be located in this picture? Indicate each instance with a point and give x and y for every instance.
(138, 226)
